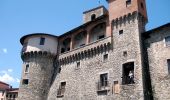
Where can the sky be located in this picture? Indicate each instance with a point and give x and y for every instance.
(21, 17)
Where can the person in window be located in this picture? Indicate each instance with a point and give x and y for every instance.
(131, 77)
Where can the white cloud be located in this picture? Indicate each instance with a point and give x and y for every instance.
(5, 76)
(10, 70)
(5, 50)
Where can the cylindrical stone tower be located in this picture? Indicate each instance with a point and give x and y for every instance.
(38, 54)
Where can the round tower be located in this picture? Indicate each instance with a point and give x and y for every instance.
(38, 54)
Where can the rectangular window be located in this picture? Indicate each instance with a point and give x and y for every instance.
(25, 81)
(61, 89)
(78, 65)
(116, 87)
(167, 41)
(141, 4)
(168, 62)
(105, 57)
(104, 79)
(27, 68)
(128, 73)
(42, 41)
(128, 2)
(120, 32)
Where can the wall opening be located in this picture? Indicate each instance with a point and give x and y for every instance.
(120, 32)
(27, 68)
(128, 73)
(65, 45)
(167, 41)
(128, 2)
(93, 17)
(105, 57)
(42, 41)
(104, 79)
(61, 90)
(168, 62)
(25, 81)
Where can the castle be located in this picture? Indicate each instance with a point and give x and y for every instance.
(109, 57)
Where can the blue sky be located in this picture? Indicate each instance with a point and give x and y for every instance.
(21, 17)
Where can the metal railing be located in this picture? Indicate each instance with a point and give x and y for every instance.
(102, 86)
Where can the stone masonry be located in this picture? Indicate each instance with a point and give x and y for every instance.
(94, 60)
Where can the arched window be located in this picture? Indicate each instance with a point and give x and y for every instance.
(65, 45)
(98, 32)
(93, 17)
(80, 39)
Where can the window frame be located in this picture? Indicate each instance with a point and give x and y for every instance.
(105, 57)
(42, 41)
(27, 68)
(25, 83)
(104, 80)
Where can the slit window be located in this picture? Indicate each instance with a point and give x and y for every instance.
(167, 41)
(78, 65)
(27, 68)
(25, 81)
(128, 73)
(168, 62)
(42, 41)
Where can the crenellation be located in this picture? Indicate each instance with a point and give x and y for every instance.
(110, 57)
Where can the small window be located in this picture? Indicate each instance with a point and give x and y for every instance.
(128, 2)
(116, 87)
(168, 62)
(101, 37)
(93, 17)
(105, 57)
(104, 79)
(27, 68)
(120, 32)
(42, 41)
(61, 89)
(59, 69)
(78, 65)
(167, 41)
(141, 4)
(125, 53)
(25, 81)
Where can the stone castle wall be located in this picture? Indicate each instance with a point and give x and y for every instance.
(81, 83)
(39, 76)
(158, 54)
